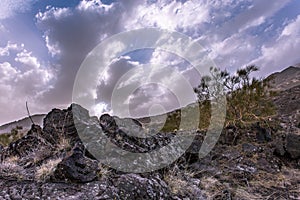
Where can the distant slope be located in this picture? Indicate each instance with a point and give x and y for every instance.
(287, 100)
(286, 79)
(25, 123)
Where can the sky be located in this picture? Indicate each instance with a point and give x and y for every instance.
(44, 42)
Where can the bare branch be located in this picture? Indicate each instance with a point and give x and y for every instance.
(29, 114)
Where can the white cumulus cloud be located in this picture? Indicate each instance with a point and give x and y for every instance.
(9, 8)
(282, 52)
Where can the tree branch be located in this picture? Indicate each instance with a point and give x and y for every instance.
(29, 114)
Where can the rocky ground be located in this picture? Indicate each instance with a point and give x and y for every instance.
(256, 162)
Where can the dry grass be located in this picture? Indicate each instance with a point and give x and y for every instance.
(46, 169)
(103, 171)
(63, 145)
(9, 169)
(12, 159)
(178, 180)
(279, 186)
(41, 154)
(212, 187)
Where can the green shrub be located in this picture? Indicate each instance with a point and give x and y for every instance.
(247, 98)
(7, 138)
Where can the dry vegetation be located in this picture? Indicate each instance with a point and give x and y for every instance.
(46, 169)
(15, 134)
(10, 169)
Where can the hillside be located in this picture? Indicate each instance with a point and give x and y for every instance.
(286, 79)
(57, 159)
(25, 123)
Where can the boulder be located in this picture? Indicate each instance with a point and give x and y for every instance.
(293, 145)
(75, 168)
(108, 123)
(262, 134)
(60, 124)
(229, 136)
(279, 148)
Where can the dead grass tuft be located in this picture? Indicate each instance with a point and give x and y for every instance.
(103, 171)
(178, 180)
(9, 169)
(46, 169)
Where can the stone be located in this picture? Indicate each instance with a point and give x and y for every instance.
(279, 148)
(293, 145)
(75, 168)
(133, 186)
(262, 134)
(229, 136)
(60, 124)
(108, 123)
(249, 148)
(127, 141)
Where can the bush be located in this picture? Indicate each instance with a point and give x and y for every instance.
(247, 98)
(14, 135)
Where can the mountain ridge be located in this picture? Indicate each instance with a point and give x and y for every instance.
(285, 79)
(25, 123)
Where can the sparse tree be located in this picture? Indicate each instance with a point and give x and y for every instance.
(247, 98)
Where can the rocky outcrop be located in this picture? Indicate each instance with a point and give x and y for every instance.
(59, 124)
(127, 186)
(288, 145)
(23, 146)
(52, 162)
(75, 168)
(288, 115)
(55, 162)
(115, 129)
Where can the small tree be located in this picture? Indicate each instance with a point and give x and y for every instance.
(247, 98)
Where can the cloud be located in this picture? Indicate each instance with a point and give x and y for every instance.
(131, 89)
(149, 96)
(283, 51)
(5, 51)
(292, 28)
(248, 17)
(26, 79)
(9, 8)
(234, 39)
(234, 51)
(2, 28)
(234, 32)
(71, 33)
(172, 15)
